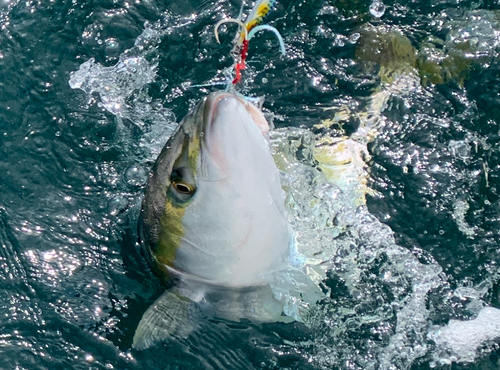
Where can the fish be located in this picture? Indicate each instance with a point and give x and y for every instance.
(344, 159)
(213, 221)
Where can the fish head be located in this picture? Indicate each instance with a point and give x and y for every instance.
(214, 206)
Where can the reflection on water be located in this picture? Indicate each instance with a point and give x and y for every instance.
(407, 90)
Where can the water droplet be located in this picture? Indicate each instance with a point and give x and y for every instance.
(377, 8)
(135, 176)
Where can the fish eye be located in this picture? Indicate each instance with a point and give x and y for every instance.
(183, 187)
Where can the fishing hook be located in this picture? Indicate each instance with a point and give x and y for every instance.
(249, 28)
(230, 20)
(273, 30)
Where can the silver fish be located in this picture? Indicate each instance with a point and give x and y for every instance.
(213, 219)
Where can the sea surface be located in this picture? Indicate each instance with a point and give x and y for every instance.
(91, 90)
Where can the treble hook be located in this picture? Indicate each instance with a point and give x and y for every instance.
(230, 20)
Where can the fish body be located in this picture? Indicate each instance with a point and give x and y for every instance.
(213, 218)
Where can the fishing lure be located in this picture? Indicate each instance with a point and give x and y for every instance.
(248, 30)
(259, 11)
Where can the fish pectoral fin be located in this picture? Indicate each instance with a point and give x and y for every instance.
(171, 316)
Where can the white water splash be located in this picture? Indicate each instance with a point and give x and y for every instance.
(113, 84)
(387, 288)
(459, 341)
(122, 89)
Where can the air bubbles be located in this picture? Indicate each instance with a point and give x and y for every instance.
(460, 149)
(377, 9)
(135, 176)
(460, 208)
(354, 37)
(117, 205)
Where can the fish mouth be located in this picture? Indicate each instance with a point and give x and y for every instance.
(213, 101)
(224, 119)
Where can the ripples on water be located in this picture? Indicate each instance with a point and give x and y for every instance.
(74, 166)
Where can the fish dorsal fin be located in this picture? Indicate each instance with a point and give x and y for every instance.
(171, 316)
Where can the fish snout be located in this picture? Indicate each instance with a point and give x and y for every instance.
(225, 102)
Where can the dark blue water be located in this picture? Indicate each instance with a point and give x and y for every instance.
(73, 171)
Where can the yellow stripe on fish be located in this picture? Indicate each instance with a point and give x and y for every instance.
(171, 232)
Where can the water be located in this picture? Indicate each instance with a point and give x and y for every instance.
(76, 150)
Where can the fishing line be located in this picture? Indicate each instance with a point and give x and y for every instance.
(249, 28)
(246, 31)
